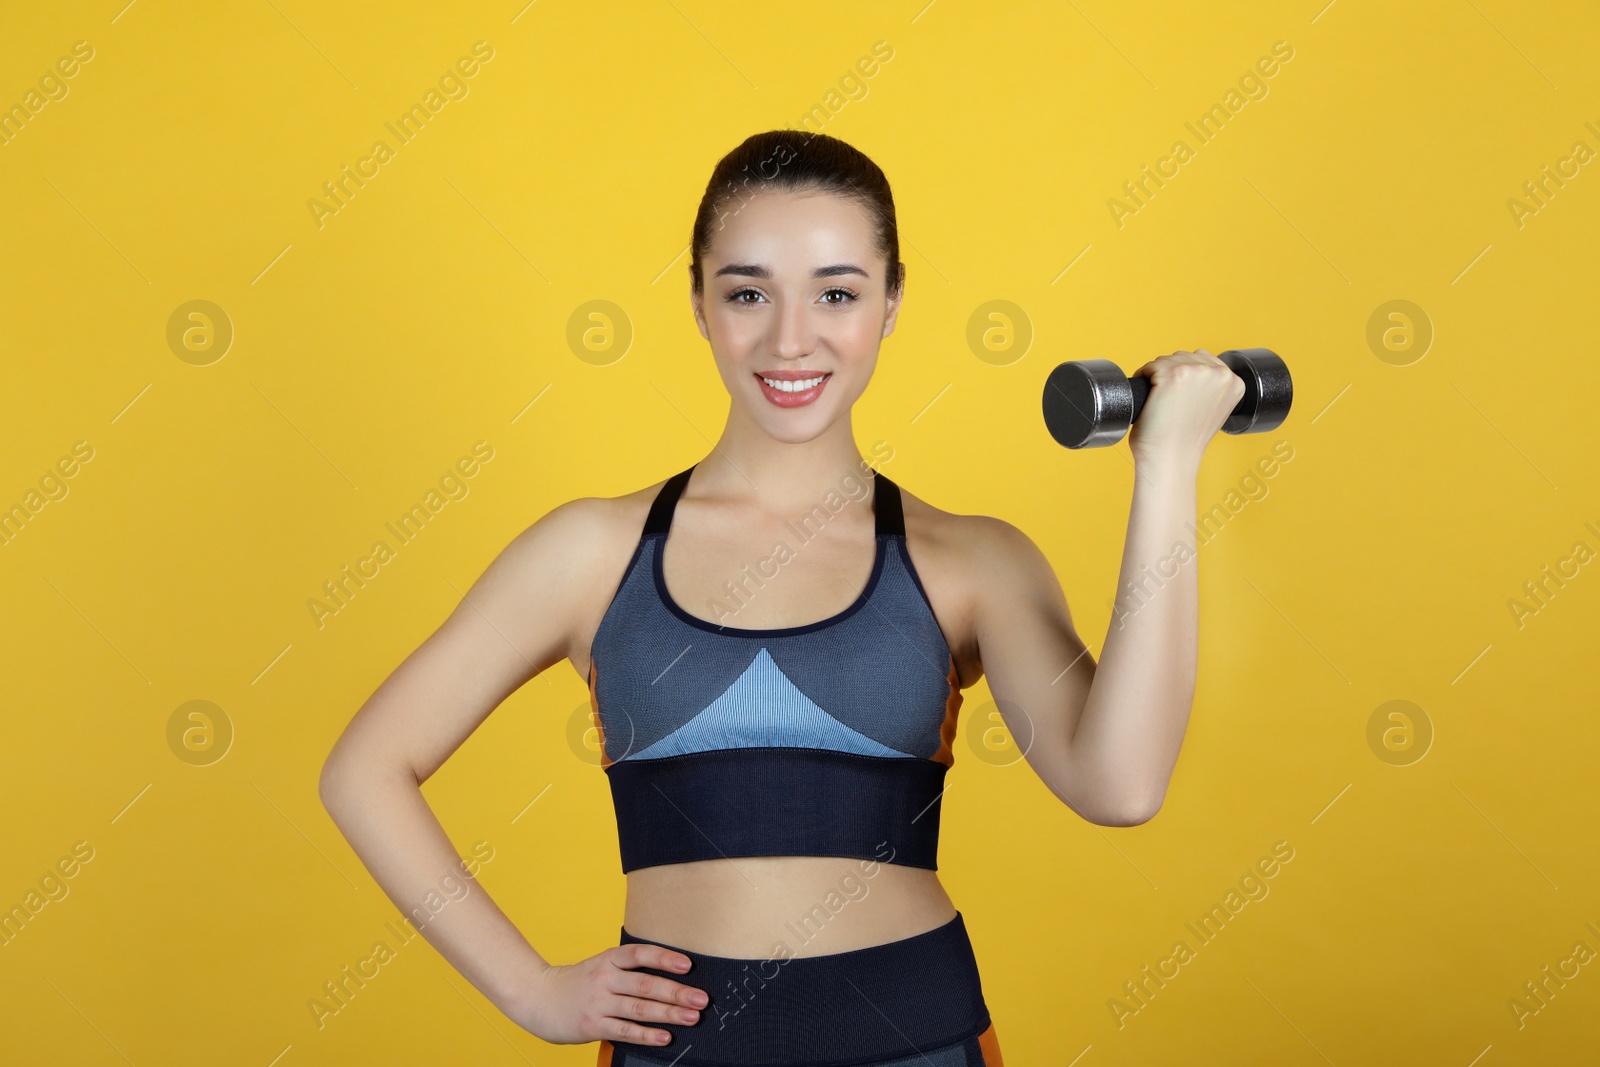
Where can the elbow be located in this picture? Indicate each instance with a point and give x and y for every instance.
(342, 781)
(352, 777)
(1133, 814)
(332, 784)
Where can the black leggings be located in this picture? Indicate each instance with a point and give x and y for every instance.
(915, 1002)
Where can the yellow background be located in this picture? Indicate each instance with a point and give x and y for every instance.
(370, 354)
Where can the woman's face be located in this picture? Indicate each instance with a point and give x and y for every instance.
(795, 291)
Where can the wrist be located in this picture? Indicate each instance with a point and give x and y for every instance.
(1167, 468)
(522, 995)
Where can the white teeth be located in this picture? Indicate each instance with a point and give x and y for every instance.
(793, 387)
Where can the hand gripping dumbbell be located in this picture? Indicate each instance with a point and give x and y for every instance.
(1090, 403)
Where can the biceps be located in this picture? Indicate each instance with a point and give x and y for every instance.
(1039, 673)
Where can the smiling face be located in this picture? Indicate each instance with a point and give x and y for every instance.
(795, 292)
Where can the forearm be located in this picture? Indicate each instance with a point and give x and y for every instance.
(1127, 739)
(397, 836)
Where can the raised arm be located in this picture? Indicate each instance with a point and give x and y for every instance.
(1105, 737)
(517, 619)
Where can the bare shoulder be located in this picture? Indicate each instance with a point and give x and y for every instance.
(591, 539)
(981, 547)
(580, 528)
(964, 562)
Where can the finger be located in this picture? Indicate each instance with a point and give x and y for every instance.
(623, 1030)
(642, 1009)
(664, 990)
(1150, 368)
(639, 984)
(638, 954)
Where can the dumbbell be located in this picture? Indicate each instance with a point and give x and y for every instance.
(1090, 403)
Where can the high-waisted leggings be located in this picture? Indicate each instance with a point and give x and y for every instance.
(916, 1002)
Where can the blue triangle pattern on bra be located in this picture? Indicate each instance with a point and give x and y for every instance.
(763, 708)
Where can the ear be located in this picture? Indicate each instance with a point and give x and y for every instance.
(892, 304)
(697, 303)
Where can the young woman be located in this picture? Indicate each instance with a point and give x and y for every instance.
(777, 694)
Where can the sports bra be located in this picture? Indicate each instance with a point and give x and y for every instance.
(827, 739)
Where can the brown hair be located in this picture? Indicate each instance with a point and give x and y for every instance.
(798, 161)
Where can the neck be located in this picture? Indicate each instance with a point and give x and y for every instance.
(781, 477)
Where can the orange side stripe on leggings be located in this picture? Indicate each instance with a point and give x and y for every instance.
(990, 1044)
(605, 1054)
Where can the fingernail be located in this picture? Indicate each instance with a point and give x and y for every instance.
(699, 1000)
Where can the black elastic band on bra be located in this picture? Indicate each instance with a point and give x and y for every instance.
(888, 516)
(777, 801)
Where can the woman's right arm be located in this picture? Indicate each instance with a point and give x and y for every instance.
(519, 618)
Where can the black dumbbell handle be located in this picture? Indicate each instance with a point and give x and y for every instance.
(1141, 392)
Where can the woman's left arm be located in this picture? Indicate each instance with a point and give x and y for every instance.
(1105, 737)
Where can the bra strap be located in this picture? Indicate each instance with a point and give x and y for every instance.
(660, 518)
(890, 518)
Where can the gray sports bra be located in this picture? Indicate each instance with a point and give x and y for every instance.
(828, 739)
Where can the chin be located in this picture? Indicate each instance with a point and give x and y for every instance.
(796, 431)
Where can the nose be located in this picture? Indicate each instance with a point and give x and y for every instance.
(794, 335)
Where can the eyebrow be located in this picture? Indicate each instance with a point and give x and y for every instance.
(757, 270)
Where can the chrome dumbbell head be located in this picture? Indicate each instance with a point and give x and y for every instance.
(1088, 403)
(1268, 390)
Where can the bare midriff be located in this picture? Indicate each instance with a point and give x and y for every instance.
(772, 907)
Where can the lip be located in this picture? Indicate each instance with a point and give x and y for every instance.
(792, 400)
